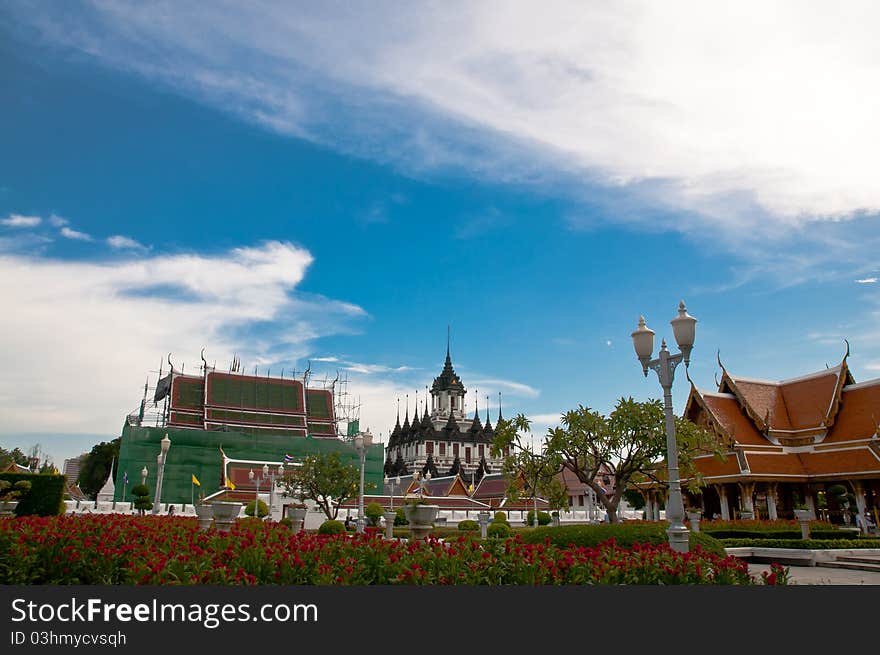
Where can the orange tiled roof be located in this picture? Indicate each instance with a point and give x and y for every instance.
(859, 413)
(726, 410)
(796, 404)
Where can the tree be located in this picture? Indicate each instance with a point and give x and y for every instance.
(629, 444)
(537, 470)
(142, 500)
(15, 455)
(96, 466)
(324, 479)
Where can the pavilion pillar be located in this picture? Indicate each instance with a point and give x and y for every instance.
(747, 490)
(649, 505)
(808, 500)
(771, 501)
(722, 497)
(859, 489)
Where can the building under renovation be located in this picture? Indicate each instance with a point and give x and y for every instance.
(223, 424)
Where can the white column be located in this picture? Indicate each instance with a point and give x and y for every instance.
(808, 499)
(771, 501)
(746, 490)
(725, 509)
(860, 504)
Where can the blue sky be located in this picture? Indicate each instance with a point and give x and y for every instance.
(340, 184)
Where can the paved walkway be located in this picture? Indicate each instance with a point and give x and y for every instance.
(820, 575)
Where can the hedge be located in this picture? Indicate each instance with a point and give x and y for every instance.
(624, 534)
(332, 527)
(809, 544)
(468, 526)
(46, 497)
(776, 534)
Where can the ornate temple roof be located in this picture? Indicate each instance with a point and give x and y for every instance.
(810, 427)
(448, 380)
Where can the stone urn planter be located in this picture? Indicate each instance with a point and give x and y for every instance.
(803, 516)
(7, 508)
(205, 514)
(298, 517)
(483, 518)
(694, 518)
(389, 524)
(225, 513)
(421, 518)
(746, 515)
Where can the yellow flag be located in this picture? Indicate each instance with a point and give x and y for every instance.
(196, 480)
(229, 484)
(471, 488)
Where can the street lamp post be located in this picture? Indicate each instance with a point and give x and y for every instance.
(362, 443)
(683, 328)
(278, 473)
(394, 484)
(164, 445)
(258, 482)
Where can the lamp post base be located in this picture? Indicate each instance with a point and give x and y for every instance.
(679, 538)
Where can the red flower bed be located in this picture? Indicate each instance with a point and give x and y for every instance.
(121, 549)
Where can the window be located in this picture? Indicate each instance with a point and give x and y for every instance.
(429, 447)
(452, 402)
(481, 451)
(455, 450)
(442, 448)
(467, 455)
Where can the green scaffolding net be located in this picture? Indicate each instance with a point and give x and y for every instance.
(197, 452)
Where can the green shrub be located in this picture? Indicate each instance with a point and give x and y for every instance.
(732, 533)
(287, 521)
(374, 513)
(500, 517)
(498, 530)
(400, 517)
(810, 544)
(624, 534)
(332, 527)
(468, 526)
(140, 490)
(45, 497)
(263, 509)
(543, 518)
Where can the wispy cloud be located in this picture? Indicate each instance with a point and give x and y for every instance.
(475, 226)
(122, 315)
(124, 243)
(493, 385)
(17, 220)
(75, 235)
(625, 93)
(867, 280)
(58, 221)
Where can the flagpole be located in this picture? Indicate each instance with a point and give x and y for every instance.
(192, 493)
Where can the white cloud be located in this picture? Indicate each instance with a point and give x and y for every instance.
(69, 233)
(733, 112)
(85, 334)
(121, 242)
(493, 386)
(867, 280)
(17, 220)
(57, 221)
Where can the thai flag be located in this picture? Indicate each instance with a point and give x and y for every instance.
(125, 478)
(288, 459)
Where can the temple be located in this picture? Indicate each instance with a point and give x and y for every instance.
(223, 424)
(445, 441)
(788, 442)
